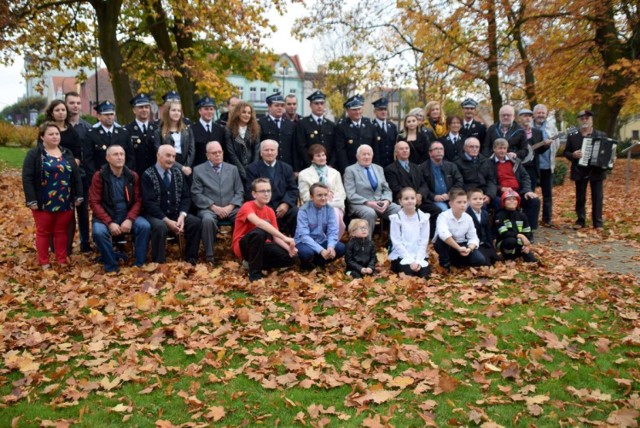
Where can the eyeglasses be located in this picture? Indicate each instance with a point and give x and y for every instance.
(264, 192)
(362, 228)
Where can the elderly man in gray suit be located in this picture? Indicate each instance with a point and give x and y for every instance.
(217, 192)
(368, 192)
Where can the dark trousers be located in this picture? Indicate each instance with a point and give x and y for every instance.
(261, 254)
(287, 223)
(533, 175)
(406, 269)
(309, 258)
(82, 223)
(597, 200)
(546, 185)
(434, 211)
(159, 230)
(448, 256)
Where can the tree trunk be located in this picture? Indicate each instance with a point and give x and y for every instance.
(107, 15)
(492, 61)
(611, 93)
(156, 19)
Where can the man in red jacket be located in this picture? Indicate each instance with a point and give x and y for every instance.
(114, 197)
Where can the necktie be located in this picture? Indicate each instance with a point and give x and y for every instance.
(278, 123)
(144, 128)
(384, 126)
(109, 134)
(320, 122)
(405, 165)
(372, 178)
(466, 126)
(271, 172)
(217, 169)
(208, 129)
(166, 179)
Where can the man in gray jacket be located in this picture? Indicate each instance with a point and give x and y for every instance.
(217, 193)
(368, 192)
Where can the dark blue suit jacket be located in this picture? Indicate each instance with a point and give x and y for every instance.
(283, 185)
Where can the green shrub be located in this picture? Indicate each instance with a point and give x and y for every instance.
(560, 172)
(91, 119)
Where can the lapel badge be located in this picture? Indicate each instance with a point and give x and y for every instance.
(350, 142)
(103, 147)
(101, 131)
(315, 131)
(135, 127)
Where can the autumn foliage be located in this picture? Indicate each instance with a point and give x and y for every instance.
(176, 345)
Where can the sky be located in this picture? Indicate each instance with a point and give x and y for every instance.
(12, 84)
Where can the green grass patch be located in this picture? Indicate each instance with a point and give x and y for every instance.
(12, 157)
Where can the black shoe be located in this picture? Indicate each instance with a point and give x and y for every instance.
(579, 225)
(529, 258)
(192, 261)
(211, 261)
(86, 248)
(255, 277)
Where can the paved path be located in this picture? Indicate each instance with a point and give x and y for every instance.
(597, 249)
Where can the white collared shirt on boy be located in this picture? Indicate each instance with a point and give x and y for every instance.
(462, 229)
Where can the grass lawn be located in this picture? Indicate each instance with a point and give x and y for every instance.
(12, 157)
(516, 345)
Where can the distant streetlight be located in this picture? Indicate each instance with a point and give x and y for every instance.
(285, 67)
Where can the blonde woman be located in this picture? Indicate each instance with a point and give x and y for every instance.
(436, 120)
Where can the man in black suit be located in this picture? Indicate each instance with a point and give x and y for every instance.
(402, 173)
(352, 132)
(291, 108)
(100, 137)
(205, 129)
(470, 126)
(438, 177)
(508, 129)
(274, 126)
(386, 133)
(141, 132)
(166, 201)
(316, 129)
(476, 170)
(285, 193)
(586, 175)
(224, 117)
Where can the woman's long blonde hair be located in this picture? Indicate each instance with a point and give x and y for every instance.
(165, 117)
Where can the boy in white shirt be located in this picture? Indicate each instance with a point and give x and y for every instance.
(456, 240)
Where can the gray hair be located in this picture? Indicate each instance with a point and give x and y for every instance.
(269, 141)
(362, 147)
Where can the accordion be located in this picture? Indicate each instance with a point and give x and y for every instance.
(598, 152)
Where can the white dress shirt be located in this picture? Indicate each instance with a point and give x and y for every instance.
(409, 238)
(462, 229)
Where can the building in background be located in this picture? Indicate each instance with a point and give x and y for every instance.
(288, 78)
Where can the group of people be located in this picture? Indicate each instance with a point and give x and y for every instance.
(287, 183)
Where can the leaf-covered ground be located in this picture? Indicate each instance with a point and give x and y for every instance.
(175, 345)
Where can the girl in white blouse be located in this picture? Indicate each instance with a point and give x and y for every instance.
(409, 237)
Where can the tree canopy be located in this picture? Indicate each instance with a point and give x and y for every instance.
(152, 45)
(568, 54)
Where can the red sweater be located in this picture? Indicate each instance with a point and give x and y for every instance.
(506, 177)
(244, 226)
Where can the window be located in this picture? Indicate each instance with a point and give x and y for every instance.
(253, 94)
(635, 134)
(240, 90)
(275, 90)
(292, 91)
(263, 95)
